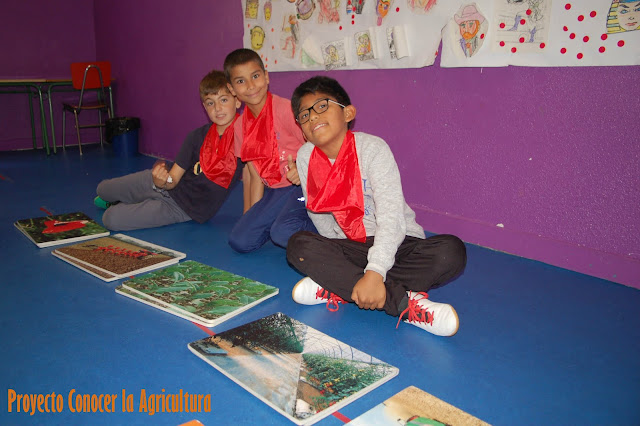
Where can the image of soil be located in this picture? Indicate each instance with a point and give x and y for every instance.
(116, 263)
(89, 268)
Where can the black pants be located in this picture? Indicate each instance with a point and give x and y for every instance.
(338, 264)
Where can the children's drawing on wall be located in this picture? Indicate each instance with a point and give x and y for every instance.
(364, 49)
(257, 37)
(355, 6)
(268, 7)
(329, 11)
(624, 15)
(472, 26)
(420, 6)
(305, 8)
(397, 42)
(290, 36)
(522, 24)
(251, 9)
(334, 54)
(301, 34)
(311, 53)
(382, 9)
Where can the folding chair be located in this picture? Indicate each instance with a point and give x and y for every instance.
(88, 76)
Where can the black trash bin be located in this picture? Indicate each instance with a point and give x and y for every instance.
(122, 134)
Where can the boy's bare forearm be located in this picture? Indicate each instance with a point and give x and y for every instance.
(246, 189)
(256, 185)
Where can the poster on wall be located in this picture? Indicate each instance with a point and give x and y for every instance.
(343, 34)
(542, 33)
(379, 34)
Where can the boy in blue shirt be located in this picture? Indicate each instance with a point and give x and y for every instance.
(196, 185)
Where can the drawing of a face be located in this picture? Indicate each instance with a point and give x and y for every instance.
(251, 11)
(383, 7)
(469, 29)
(267, 11)
(629, 15)
(305, 8)
(333, 53)
(257, 38)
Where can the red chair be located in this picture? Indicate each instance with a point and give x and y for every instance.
(88, 77)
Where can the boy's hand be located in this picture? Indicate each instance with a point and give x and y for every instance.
(292, 174)
(160, 174)
(370, 291)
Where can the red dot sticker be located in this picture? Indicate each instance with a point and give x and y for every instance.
(514, 50)
(565, 28)
(502, 44)
(521, 39)
(567, 6)
(572, 36)
(502, 25)
(482, 36)
(529, 12)
(580, 55)
(340, 27)
(522, 22)
(397, 9)
(593, 14)
(581, 18)
(563, 50)
(602, 49)
(542, 45)
(604, 37)
(585, 39)
(621, 43)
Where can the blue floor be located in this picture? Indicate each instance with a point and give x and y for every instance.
(536, 345)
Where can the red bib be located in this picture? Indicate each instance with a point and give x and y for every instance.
(338, 188)
(259, 143)
(217, 159)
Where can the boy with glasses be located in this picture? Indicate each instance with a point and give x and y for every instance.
(369, 250)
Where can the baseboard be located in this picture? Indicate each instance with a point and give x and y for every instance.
(609, 266)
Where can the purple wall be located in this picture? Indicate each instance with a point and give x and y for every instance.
(40, 39)
(550, 154)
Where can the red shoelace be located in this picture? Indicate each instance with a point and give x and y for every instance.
(415, 312)
(333, 300)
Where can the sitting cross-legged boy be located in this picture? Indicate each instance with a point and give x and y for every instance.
(369, 250)
(267, 138)
(197, 184)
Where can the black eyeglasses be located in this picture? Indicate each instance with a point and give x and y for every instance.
(321, 106)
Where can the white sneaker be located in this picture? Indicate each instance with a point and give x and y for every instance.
(436, 318)
(308, 292)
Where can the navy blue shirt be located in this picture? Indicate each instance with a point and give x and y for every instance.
(199, 197)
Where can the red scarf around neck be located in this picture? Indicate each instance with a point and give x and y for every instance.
(338, 188)
(259, 143)
(217, 158)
